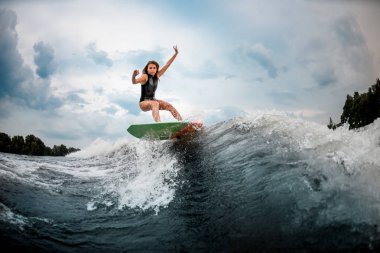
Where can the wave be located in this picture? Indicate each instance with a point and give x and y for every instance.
(144, 174)
(331, 175)
(329, 161)
(294, 181)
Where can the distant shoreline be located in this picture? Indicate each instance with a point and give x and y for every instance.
(31, 145)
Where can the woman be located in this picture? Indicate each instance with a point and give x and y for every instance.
(149, 81)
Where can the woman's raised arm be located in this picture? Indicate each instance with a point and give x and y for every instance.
(164, 68)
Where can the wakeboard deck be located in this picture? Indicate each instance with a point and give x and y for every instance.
(165, 130)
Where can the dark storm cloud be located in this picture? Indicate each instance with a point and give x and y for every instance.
(44, 59)
(99, 57)
(17, 81)
(12, 71)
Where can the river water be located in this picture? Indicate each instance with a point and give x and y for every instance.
(259, 183)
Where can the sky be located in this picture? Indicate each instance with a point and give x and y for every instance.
(66, 66)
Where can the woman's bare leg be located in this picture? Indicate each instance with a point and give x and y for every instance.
(168, 107)
(151, 105)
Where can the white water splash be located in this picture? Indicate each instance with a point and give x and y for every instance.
(141, 174)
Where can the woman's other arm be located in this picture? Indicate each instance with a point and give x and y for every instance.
(142, 79)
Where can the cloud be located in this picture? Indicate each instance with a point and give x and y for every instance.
(132, 107)
(353, 44)
(99, 57)
(348, 31)
(283, 97)
(73, 97)
(335, 53)
(261, 55)
(12, 71)
(324, 76)
(139, 58)
(44, 59)
(209, 69)
(16, 79)
(215, 115)
(241, 54)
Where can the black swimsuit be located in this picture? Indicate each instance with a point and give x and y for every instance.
(149, 88)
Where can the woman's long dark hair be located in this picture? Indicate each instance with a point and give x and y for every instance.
(145, 70)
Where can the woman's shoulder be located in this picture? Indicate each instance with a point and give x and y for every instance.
(144, 77)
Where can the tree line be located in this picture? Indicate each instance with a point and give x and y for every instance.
(361, 109)
(31, 145)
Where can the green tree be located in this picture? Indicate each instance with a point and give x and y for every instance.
(5, 143)
(347, 110)
(361, 109)
(47, 151)
(59, 150)
(18, 145)
(331, 125)
(72, 150)
(34, 146)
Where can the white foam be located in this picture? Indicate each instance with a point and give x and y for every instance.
(150, 182)
(7, 216)
(354, 148)
(143, 176)
(91, 206)
(99, 147)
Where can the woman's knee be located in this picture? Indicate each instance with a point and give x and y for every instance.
(155, 105)
(165, 105)
(144, 106)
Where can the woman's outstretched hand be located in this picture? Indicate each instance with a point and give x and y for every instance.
(164, 68)
(135, 72)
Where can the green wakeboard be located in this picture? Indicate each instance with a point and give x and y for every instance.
(159, 130)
